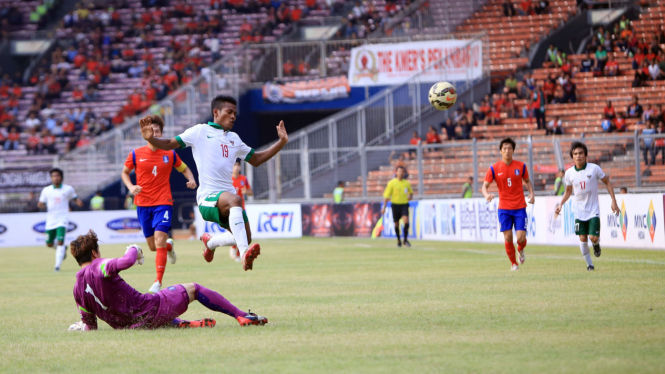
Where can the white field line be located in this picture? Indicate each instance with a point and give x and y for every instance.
(552, 257)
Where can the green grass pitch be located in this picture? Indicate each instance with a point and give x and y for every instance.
(357, 305)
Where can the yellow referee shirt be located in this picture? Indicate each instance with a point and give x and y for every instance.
(398, 191)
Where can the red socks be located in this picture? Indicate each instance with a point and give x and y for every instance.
(169, 247)
(510, 251)
(521, 246)
(160, 263)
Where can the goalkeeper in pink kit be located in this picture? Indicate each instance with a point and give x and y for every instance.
(100, 292)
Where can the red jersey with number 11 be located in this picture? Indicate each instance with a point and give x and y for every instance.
(509, 180)
(153, 170)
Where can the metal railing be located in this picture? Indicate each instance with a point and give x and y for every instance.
(342, 138)
(440, 170)
(418, 16)
(323, 58)
(330, 57)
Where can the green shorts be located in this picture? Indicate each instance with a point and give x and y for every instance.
(210, 213)
(590, 227)
(57, 233)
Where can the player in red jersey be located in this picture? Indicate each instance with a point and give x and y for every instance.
(241, 184)
(153, 196)
(509, 175)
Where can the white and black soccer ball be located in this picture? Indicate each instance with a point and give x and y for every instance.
(442, 95)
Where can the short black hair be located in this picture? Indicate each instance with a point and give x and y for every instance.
(576, 145)
(507, 141)
(218, 101)
(56, 170)
(238, 160)
(99, 192)
(401, 167)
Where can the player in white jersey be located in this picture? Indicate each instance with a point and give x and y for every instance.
(215, 149)
(56, 199)
(582, 179)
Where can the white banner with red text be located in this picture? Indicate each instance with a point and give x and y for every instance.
(391, 64)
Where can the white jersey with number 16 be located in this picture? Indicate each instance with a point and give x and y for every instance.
(585, 188)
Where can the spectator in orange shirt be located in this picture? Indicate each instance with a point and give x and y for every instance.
(54, 89)
(77, 94)
(48, 141)
(118, 119)
(79, 60)
(144, 103)
(432, 136)
(484, 110)
(620, 122)
(17, 91)
(609, 112)
(33, 143)
(135, 99)
(303, 67)
(246, 26)
(288, 68)
(85, 140)
(296, 14)
(524, 8)
(494, 117)
(12, 106)
(415, 140)
(4, 91)
(611, 67)
(12, 139)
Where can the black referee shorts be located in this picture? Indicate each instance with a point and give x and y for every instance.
(399, 211)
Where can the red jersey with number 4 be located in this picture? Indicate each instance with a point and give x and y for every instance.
(153, 171)
(239, 183)
(509, 180)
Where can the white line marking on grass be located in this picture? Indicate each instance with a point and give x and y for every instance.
(561, 257)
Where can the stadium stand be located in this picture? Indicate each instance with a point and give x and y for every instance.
(512, 36)
(615, 152)
(118, 58)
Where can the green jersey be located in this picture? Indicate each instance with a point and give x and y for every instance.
(338, 194)
(468, 191)
(558, 186)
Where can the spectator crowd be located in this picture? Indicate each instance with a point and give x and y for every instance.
(100, 43)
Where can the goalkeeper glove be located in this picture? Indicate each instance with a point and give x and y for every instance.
(139, 253)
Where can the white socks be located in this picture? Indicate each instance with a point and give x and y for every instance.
(584, 247)
(224, 239)
(237, 225)
(59, 255)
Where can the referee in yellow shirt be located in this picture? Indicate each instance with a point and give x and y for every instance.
(399, 192)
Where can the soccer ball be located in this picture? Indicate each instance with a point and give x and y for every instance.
(442, 95)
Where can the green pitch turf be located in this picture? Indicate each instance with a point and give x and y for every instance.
(357, 305)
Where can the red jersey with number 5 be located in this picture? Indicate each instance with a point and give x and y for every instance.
(153, 171)
(509, 180)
